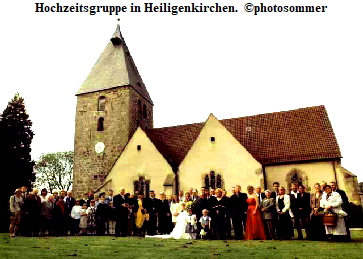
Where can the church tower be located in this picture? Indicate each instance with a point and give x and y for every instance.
(111, 103)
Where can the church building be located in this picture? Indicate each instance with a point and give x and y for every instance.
(116, 145)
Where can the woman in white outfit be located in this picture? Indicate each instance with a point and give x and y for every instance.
(175, 209)
(181, 223)
(179, 229)
(332, 202)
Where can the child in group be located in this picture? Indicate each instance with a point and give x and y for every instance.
(83, 220)
(91, 219)
(205, 223)
(191, 226)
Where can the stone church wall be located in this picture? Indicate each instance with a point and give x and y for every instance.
(90, 168)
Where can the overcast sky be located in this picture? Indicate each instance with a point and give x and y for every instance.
(228, 64)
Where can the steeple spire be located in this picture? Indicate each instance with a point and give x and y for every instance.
(114, 68)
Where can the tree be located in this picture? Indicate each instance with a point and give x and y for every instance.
(16, 137)
(15, 140)
(54, 171)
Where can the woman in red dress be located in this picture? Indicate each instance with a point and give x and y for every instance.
(254, 223)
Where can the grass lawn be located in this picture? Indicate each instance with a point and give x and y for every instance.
(133, 247)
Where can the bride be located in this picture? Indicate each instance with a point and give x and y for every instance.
(181, 222)
(179, 229)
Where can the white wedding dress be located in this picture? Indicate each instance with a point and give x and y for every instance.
(179, 229)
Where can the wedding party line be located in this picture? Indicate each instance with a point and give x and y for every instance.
(276, 214)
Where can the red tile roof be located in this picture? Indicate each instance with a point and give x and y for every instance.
(297, 135)
(174, 142)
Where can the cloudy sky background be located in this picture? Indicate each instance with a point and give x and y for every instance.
(228, 64)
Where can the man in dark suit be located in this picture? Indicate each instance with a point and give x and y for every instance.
(304, 209)
(275, 191)
(260, 195)
(120, 202)
(69, 203)
(31, 210)
(164, 215)
(219, 215)
(238, 202)
(153, 213)
(102, 213)
(199, 205)
(294, 206)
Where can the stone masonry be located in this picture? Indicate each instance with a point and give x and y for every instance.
(124, 112)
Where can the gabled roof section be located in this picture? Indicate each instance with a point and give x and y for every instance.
(280, 137)
(174, 142)
(289, 136)
(114, 68)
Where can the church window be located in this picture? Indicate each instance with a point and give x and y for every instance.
(212, 139)
(144, 112)
(100, 126)
(142, 186)
(206, 181)
(139, 147)
(213, 181)
(295, 176)
(219, 181)
(101, 103)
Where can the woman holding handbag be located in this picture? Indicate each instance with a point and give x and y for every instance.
(332, 202)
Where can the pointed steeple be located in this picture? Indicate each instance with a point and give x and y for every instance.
(114, 68)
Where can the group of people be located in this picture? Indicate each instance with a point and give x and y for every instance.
(58, 214)
(210, 214)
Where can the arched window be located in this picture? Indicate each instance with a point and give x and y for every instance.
(219, 183)
(213, 181)
(144, 112)
(101, 103)
(206, 181)
(100, 126)
(142, 186)
(298, 177)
